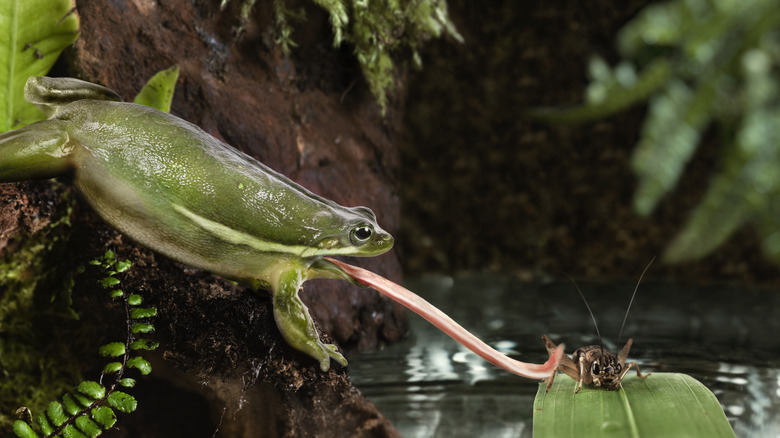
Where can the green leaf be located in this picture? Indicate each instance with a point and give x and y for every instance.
(88, 427)
(56, 413)
(127, 382)
(140, 364)
(662, 405)
(134, 300)
(741, 192)
(71, 405)
(143, 312)
(71, 432)
(123, 265)
(158, 92)
(122, 401)
(142, 327)
(23, 430)
(109, 281)
(116, 293)
(112, 367)
(104, 416)
(32, 35)
(144, 344)
(614, 96)
(83, 399)
(43, 423)
(114, 349)
(670, 135)
(92, 389)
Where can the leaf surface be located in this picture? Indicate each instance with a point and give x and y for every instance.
(663, 405)
(32, 35)
(157, 93)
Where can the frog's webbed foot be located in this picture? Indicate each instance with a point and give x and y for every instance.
(295, 323)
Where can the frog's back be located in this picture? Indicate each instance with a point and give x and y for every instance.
(172, 187)
(164, 159)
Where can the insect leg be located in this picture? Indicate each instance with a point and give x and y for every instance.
(638, 373)
(566, 365)
(623, 355)
(583, 373)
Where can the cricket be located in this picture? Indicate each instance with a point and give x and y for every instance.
(593, 364)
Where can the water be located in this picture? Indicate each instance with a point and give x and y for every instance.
(429, 386)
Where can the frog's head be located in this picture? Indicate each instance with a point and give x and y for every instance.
(356, 233)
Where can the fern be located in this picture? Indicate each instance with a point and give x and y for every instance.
(698, 63)
(90, 409)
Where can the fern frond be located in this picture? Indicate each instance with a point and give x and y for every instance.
(721, 68)
(90, 409)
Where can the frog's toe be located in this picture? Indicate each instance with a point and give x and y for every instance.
(333, 353)
(330, 351)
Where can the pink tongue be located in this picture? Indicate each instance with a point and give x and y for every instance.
(447, 325)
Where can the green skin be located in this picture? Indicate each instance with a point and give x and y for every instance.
(179, 191)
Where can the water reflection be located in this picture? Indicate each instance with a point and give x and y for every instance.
(430, 386)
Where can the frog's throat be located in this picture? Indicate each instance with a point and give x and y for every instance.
(237, 237)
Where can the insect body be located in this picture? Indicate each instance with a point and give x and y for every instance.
(593, 364)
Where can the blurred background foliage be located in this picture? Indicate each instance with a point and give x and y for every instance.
(700, 65)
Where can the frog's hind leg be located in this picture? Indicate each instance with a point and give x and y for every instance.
(49, 94)
(37, 151)
(295, 323)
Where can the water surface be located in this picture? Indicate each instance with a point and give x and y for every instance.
(727, 337)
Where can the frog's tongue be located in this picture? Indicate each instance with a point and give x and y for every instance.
(447, 325)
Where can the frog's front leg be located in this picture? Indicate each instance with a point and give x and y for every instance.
(38, 151)
(294, 322)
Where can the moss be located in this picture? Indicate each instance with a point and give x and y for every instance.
(34, 367)
(376, 29)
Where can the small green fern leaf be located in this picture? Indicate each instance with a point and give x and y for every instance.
(112, 367)
(114, 349)
(127, 382)
(141, 312)
(143, 344)
(23, 430)
(89, 410)
(142, 327)
(141, 364)
(104, 416)
(122, 401)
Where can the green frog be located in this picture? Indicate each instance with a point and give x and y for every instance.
(175, 189)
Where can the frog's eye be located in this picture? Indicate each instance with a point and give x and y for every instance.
(596, 368)
(360, 235)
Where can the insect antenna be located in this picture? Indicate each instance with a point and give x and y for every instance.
(601, 345)
(632, 301)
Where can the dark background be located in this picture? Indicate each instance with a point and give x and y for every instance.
(485, 188)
